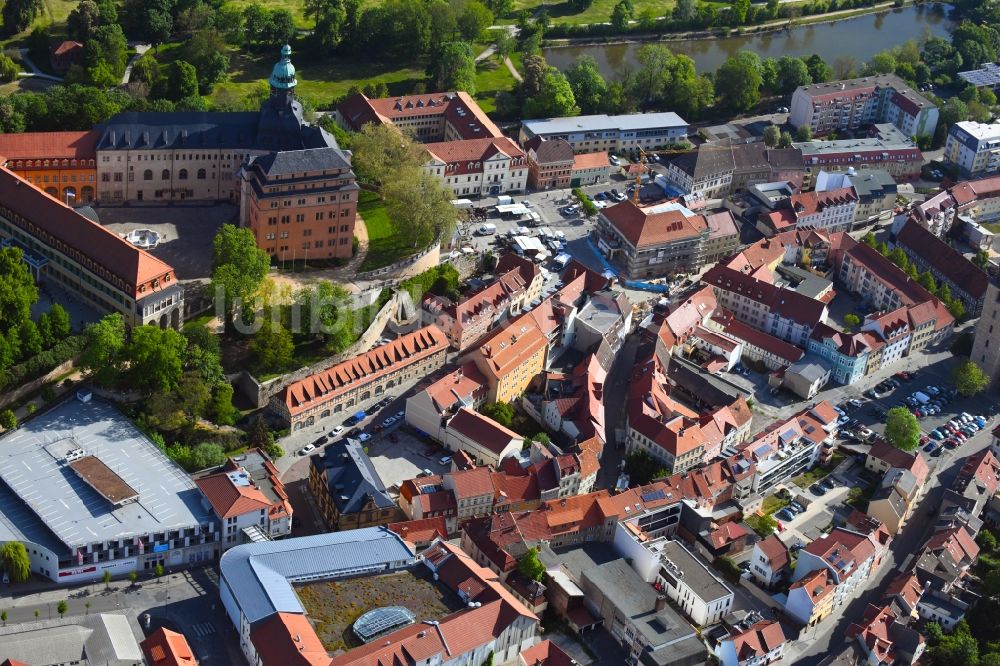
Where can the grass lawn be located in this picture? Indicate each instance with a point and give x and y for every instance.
(319, 82)
(492, 77)
(384, 246)
(773, 504)
(810, 477)
(598, 12)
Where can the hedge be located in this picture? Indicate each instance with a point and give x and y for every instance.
(41, 363)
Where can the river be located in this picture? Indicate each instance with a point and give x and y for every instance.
(860, 37)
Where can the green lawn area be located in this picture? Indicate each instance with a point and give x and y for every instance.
(319, 82)
(598, 12)
(384, 246)
(773, 504)
(492, 77)
(810, 477)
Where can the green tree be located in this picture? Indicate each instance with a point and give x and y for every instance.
(3, 617)
(555, 98)
(420, 204)
(739, 80)
(8, 69)
(104, 343)
(902, 429)
(31, 339)
(530, 566)
(869, 239)
(8, 420)
(771, 135)
(738, 10)
(685, 11)
(898, 257)
(764, 525)
(987, 541)
(17, 289)
(379, 151)
(82, 20)
(473, 20)
(62, 607)
(453, 67)
(969, 379)
(792, 73)
(944, 293)
(107, 579)
(953, 111)
(852, 320)
(785, 140)
(501, 412)
(959, 648)
(981, 259)
(655, 65)
(132, 577)
(155, 358)
(19, 14)
(207, 455)
(621, 15)
(588, 85)
(223, 411)
(181, 80)
(882, 63)
(883, 248)
(957, 308)
(272, 346)
(642, 468)
(59, 322)
(819, 71)
(693, 97)
(926, 281)
(330, 20)
(15, 560)
(238, 270)
(207, 52)
(803, 134)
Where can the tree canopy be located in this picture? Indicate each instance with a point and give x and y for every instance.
(970, 379)
(238, 269)
(530, 566)
(15, 560)
(902, 429)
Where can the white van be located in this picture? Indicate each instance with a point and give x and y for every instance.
(505, 200)
(487, 230)
(462, 204)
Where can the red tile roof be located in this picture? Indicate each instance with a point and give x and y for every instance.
(116, 261)
(465, 382)
(590, 161)
(49, 146)
(420, 531)
(546, 653)
(811, 203)
(474, 482)
(818, 585)
(345, 376)
(288, 639)
(758, 640)
(643, 229)
(66, 46)
(510, 348)
(775, 551)
(468, 155)
(906, 586)
(167, 648)
(229, 499)
(945, 259)
(483, 430)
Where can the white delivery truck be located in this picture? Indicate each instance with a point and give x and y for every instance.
(462, 204)
(487, 229)
(505, 200)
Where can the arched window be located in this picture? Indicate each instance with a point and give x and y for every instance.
(182, 174)
(201, 174)
(147, 174)
(165, 175)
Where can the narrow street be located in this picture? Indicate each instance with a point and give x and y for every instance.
(615, 399)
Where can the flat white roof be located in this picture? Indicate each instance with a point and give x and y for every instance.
(604, 122)
(53, 500)
(980, 131)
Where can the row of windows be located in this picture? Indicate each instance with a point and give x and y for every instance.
(28, 164)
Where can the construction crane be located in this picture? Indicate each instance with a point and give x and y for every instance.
(638, 176)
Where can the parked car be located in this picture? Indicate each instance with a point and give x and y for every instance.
(930, 447)
(937, 434)
(336, 431)
(364, 437)
(854, 402)
(307, 449)
(798, 507)
(828, 483)
(445, 460)
(785, 515)
(388, 422)
(843, 419)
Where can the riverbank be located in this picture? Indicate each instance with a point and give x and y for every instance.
(778, 25)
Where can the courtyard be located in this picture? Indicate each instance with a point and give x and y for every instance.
(333, 606)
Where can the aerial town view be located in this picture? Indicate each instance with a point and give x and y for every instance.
(499, 332)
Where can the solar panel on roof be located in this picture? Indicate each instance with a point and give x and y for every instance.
(652, 496)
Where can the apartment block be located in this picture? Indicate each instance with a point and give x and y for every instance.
(851, 104)
(887, 148)
(604, 133)
(973, 147)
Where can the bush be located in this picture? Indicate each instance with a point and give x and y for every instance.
(43, 362)
(48, 393)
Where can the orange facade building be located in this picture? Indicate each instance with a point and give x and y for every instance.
(300, 204)
(63, 164)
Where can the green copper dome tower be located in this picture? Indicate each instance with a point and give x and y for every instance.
(283, 74)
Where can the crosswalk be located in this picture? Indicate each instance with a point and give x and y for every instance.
(204, 629)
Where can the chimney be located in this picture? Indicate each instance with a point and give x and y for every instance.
(661, 602)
